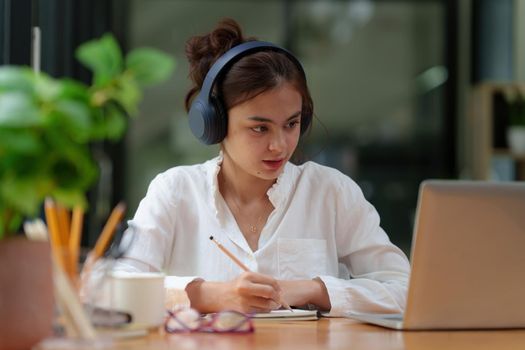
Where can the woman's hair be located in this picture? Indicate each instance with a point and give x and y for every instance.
(249, 76)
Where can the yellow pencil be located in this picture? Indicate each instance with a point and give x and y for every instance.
(109, 230)
(54, 231)
(63, 224)
(75, 235)
(242, 266)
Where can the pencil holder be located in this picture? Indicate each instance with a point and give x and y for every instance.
(26, 294)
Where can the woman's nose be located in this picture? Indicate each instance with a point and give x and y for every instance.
(277, 142)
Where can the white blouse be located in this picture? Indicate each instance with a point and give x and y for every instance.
(321, 226)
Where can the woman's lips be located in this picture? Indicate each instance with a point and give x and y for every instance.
(273, 164)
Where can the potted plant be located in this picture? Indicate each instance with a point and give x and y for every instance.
(46, 128)
(515, 98)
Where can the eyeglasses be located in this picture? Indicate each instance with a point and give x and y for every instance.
(189, 320)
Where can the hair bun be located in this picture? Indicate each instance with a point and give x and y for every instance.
(202, 51)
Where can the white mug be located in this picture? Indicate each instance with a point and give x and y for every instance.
(140, 294)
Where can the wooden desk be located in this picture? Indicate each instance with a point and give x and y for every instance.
(331, 334)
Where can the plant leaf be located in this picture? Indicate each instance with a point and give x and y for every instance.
(116, 122)
(76, 119)
(46, 88)
(19, 141)
(103, 57)
(16, 79)
(17, 110)
(69, 163)
(20, 194)
(75, 90)
(127, 94)
(149, 66)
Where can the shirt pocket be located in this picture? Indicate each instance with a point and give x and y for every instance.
(301, 258)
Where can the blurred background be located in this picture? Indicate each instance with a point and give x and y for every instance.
(404, 90)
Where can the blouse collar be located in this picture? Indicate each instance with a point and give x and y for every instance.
(277, 194)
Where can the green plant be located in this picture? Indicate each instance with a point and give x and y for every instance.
(47, 125)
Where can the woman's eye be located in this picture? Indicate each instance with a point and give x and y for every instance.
(293, 124)
(260, 129)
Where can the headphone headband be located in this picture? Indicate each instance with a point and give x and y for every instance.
(208, 120)
(218, 69)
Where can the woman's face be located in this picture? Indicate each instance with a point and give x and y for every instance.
(263, 132)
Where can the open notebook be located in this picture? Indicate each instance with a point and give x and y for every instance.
(287, 315)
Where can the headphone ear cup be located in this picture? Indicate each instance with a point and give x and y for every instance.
(202, 120)
(220, 120)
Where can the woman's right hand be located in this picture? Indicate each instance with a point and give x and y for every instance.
(249, 292)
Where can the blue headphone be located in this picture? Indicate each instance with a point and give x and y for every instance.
(208, 116)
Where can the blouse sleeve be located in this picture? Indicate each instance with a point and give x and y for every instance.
(151, 233)
(151, 230)
(378, 269)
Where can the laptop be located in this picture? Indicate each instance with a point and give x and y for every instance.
(468, 259)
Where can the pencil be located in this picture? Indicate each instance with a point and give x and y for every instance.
(63, 224)
(74, 240)
(230, 255)
(242, 266)
(54, 231)
(109, 230)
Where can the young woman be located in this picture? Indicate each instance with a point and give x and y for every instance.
(306, 233)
